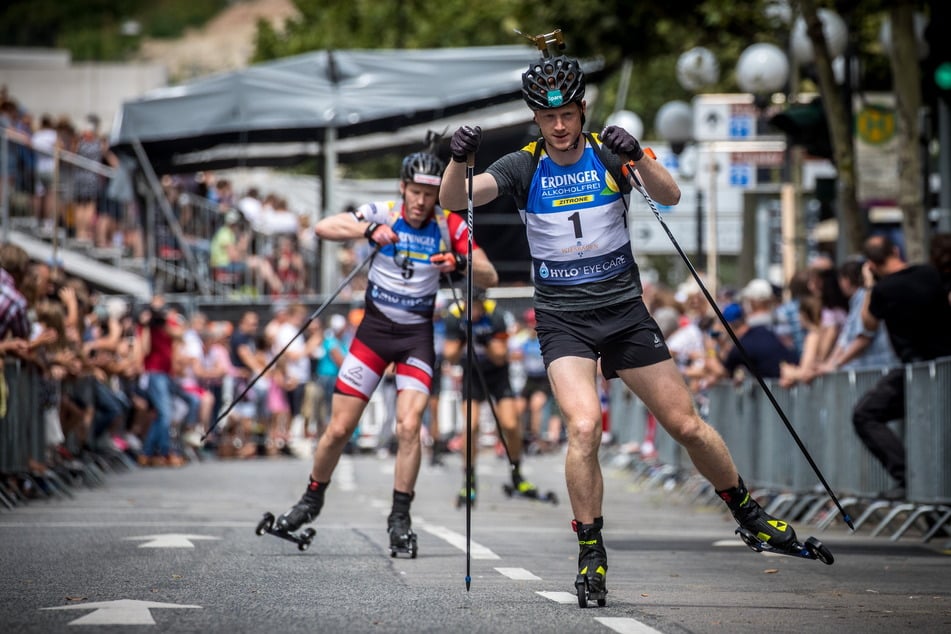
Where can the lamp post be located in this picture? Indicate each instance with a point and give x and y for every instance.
(763, 70)
(696, 69)
(674, 124)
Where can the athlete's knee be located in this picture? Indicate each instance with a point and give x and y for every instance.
(689, 430)
(339, 431)
(585, 433)
(407, 427)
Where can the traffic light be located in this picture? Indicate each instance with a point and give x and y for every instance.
(936, 68)
(942, 80)
(805, 125)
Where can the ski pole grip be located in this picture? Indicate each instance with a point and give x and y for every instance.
(470, 159)
(629, 170)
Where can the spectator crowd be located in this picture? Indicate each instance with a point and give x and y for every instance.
(147, 381)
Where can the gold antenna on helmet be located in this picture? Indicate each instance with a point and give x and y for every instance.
(550, 44)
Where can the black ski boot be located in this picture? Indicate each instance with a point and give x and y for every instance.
(592, 563)
(756, 522)
(399, 526)
(303, 512)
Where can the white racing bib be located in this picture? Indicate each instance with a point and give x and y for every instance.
(576, 223)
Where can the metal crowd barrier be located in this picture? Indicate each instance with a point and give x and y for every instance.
(821, 413)
(22, 433)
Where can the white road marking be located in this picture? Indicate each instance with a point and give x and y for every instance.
(518, 574)
(559, 597)
(345, 475)
(121, 612)
(476, 551)
(625, 625)
(170, 540)
(723, 543)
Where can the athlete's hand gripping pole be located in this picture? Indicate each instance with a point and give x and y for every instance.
(630, 172)
(307, 323)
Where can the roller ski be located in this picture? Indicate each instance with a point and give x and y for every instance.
(528, 490)
(305, 511)
(592, 564)
(764, 533)
(812, 548)
(303, 538)
(402, 537)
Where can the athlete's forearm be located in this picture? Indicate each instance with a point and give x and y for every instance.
(344, 226)
(484, 274)
(452, 191)
(658, 182)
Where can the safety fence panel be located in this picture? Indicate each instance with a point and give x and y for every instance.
(928, 431)
(628, 414)
(22, 434)
(730, 413)
(855, 469)
(821, 414)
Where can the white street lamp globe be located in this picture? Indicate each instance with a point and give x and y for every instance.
(833, 28)
(762, 69)
(627, 120)
(697, 68)
(779, 11)
(920, 24)
(674, 122)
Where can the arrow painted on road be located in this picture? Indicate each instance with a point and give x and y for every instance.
(171, 540)
(121, 612)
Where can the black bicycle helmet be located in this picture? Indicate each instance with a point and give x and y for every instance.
(423, 168)
(552, 83)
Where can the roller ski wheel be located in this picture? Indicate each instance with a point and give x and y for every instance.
(530, 493)
(402, 537)
(590, 584)
(812, 548)
(303, 538)
(586, 594)
(404, 544)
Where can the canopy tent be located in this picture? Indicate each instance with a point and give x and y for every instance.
(299, 99)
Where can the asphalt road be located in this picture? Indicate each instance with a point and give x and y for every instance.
(175, 550)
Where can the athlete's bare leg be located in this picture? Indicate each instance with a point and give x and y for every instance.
(662, 389)
(573, 383)
(410, 405)
(345, 415)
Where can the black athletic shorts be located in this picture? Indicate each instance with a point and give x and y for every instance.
(623, 336)
(496, 379)
(536, 384)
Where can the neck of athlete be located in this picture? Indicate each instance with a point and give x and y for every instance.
(570, 154)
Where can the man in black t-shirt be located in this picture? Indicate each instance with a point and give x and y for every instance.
(911, 300)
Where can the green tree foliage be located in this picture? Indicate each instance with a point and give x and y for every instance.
(90, 29)
(652, 35)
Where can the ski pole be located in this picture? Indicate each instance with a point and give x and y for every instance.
(470, 175)
(307, 323)
(630, 172)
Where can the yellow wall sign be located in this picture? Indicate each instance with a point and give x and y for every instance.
(875, 124)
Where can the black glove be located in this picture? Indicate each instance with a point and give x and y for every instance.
(465, 141)
(620, 141)
(368, 234)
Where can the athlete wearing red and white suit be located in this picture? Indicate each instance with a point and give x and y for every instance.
(397, 327)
